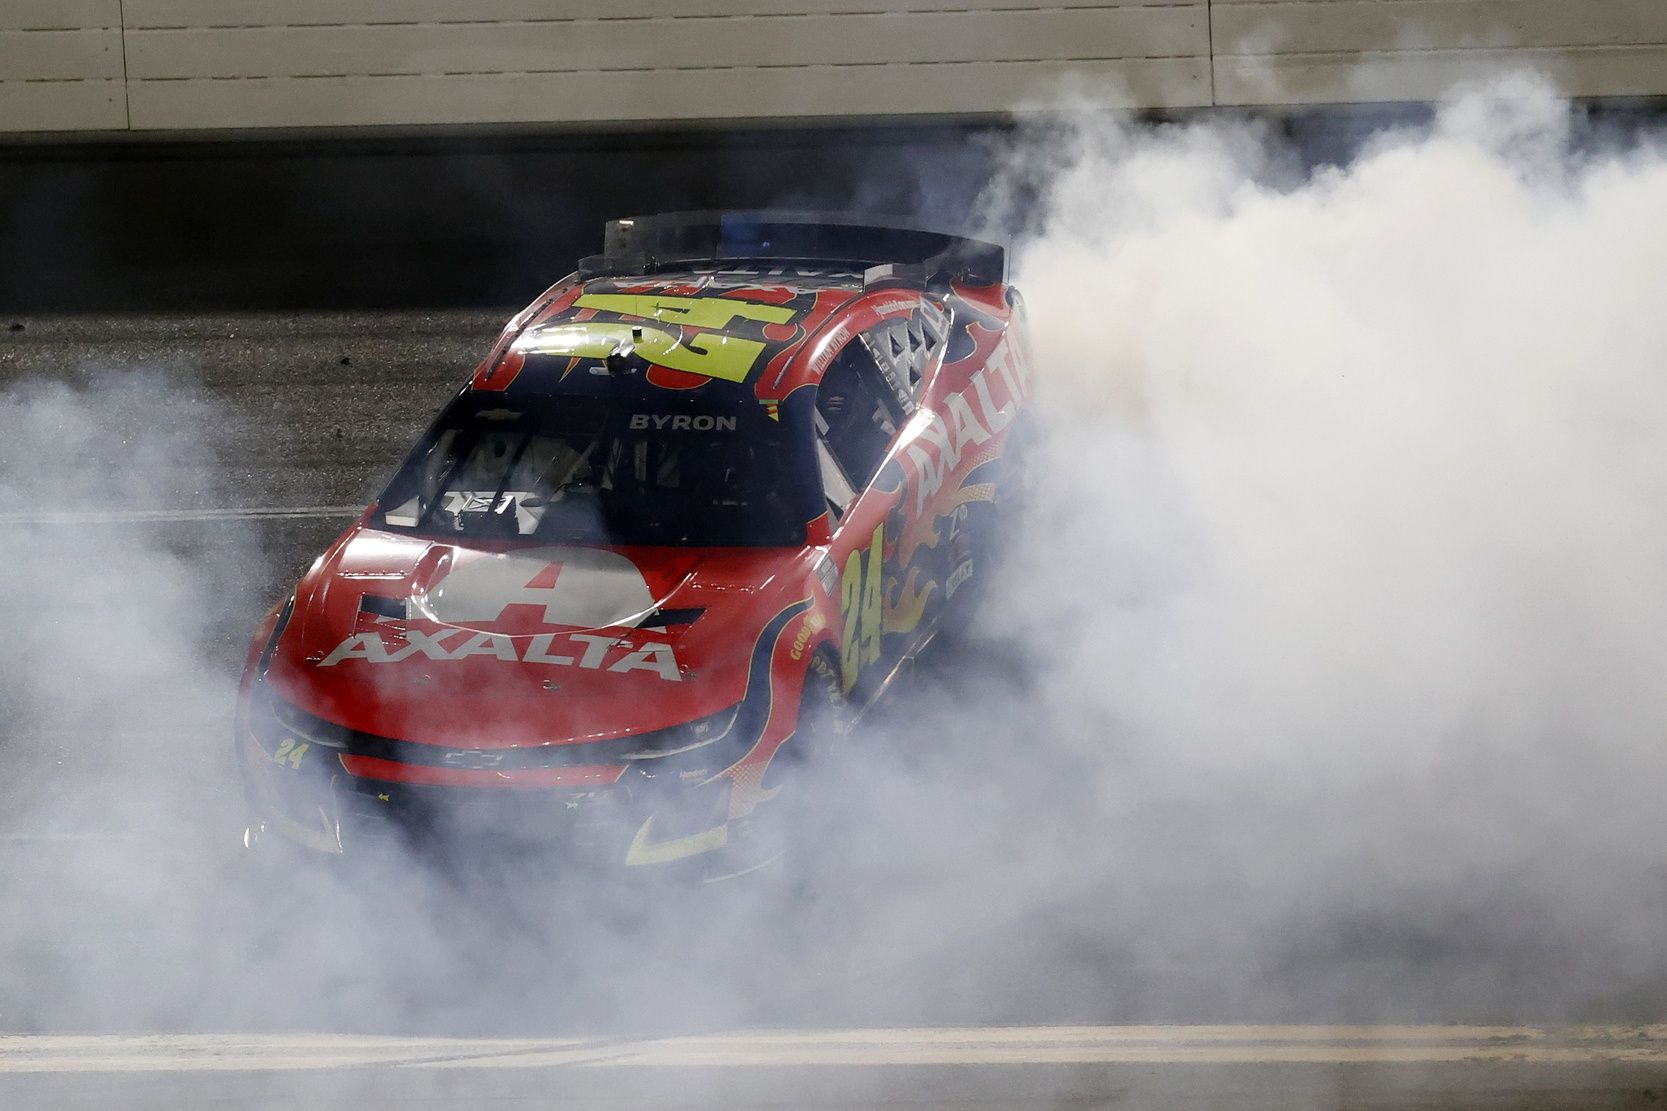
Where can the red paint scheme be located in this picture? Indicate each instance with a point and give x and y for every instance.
(520, 684)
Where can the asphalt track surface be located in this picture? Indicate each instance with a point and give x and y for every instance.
(308, 415)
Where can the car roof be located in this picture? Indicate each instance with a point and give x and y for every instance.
(718, 331)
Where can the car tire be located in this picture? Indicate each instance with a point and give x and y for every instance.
(999, 527)
(823, 714)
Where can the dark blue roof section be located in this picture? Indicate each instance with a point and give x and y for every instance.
(651, 244)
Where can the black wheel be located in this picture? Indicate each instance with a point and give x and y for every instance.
(823, 714)
(822, 725)
(998, 528)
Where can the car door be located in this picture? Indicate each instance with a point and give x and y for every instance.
(862, 405)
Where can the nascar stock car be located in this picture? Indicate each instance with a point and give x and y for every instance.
(696, 508)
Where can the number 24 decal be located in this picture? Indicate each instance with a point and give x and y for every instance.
(862, 602)
(291, 752)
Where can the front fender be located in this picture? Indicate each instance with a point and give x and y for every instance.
(781, 657)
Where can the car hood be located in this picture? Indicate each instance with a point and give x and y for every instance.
(495, 645)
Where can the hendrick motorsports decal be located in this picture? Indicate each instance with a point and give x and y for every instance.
(579, 588)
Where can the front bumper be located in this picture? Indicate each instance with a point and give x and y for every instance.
(344, 798)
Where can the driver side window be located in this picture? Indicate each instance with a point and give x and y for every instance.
(857, 418)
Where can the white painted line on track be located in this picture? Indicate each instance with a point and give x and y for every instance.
(243, 1053)
(169, 516)
(1038, 1045)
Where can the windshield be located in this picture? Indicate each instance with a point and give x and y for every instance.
(584, 469)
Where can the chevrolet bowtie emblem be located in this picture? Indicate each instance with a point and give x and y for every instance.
(472, 758)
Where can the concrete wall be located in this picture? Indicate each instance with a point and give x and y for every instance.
(61, 66)
(187, 65)
(1352, 51)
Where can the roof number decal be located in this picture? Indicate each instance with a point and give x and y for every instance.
(709, 354)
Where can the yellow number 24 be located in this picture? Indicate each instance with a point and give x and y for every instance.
(862, 602)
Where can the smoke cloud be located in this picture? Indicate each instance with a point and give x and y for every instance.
(1348, 584)
(1325, 681)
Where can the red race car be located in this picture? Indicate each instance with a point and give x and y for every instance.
(693, 512)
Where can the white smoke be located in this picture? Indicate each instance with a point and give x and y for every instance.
(111, 713)
(1350, 573)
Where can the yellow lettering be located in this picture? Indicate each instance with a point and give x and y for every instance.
(873, 601)
(291, 752)
(711, 355)
(850, 604)
(862, 601)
